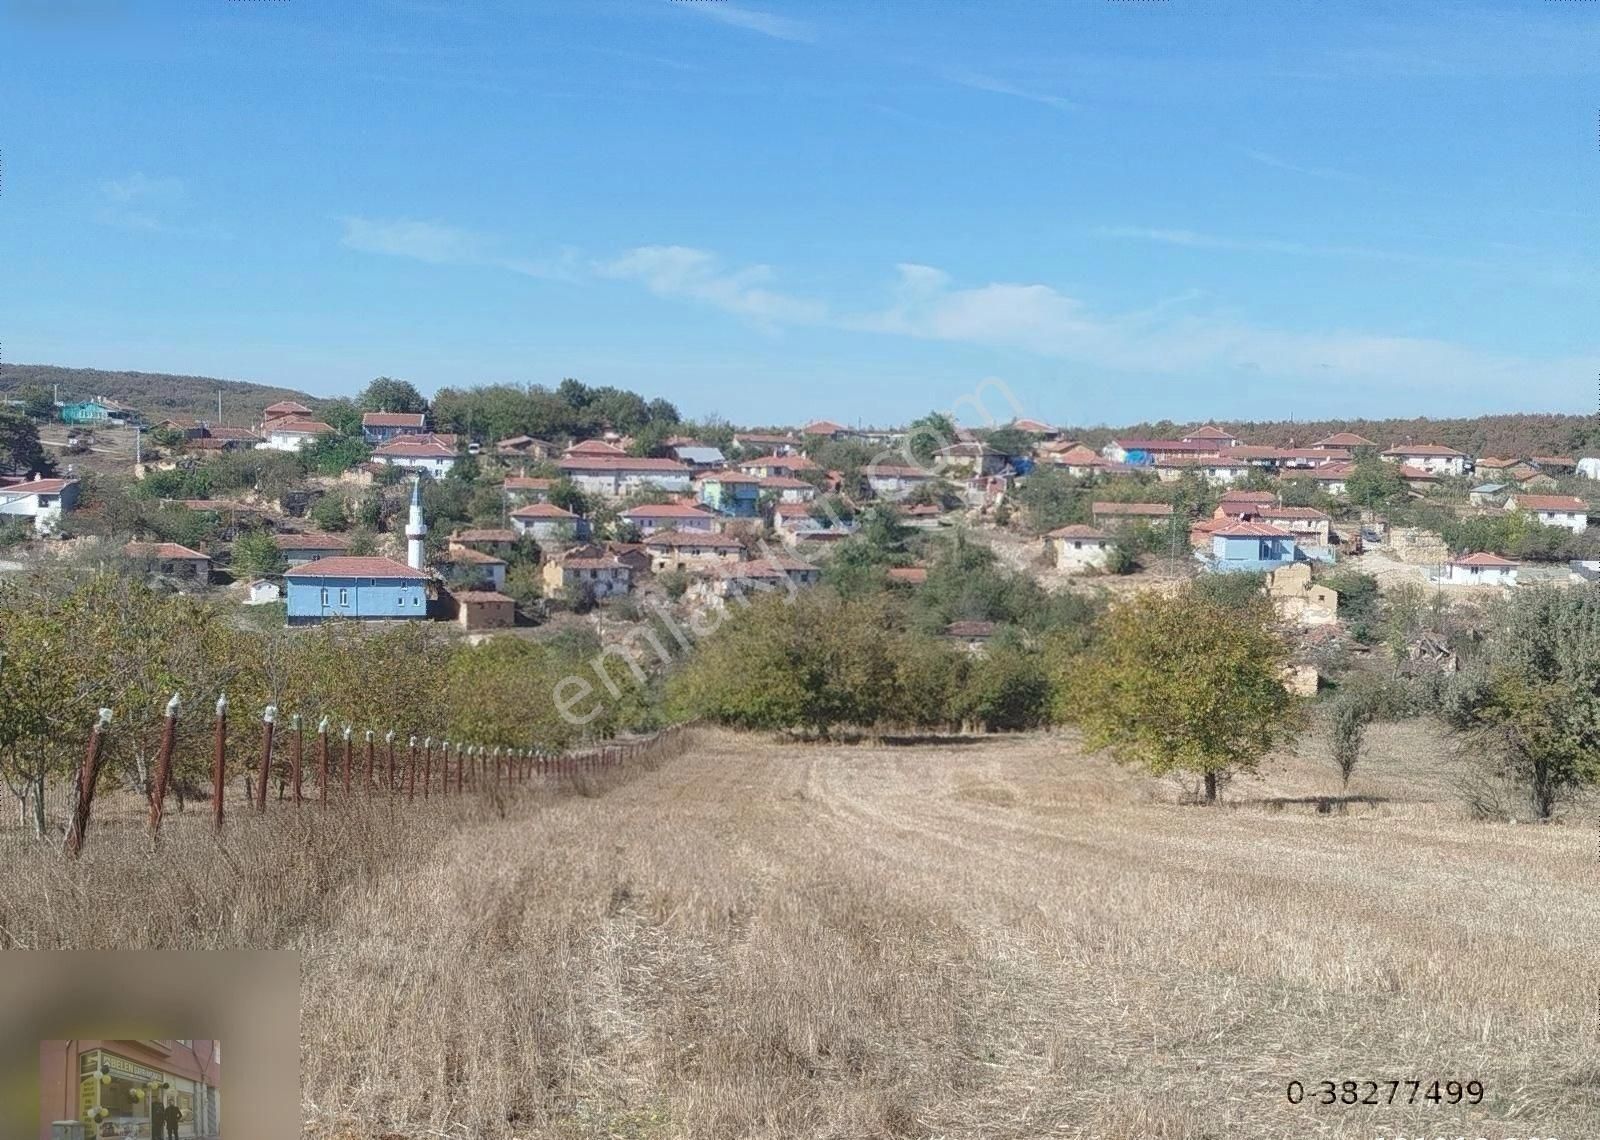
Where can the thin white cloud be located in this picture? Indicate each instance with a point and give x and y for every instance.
(1040, 320)
(437, 243)
(694, 274)
(140, 187)
(989, 83)
(1327, 172)
(153, 205)
(765, 23)
(1168, 337)
(432, 242)
(1193, 240)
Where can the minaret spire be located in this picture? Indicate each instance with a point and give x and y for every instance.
(415, 527)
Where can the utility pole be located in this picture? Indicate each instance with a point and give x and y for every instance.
(219, 407)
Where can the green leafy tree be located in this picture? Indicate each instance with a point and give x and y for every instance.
(20, 450)
(1376, 484)
(330, 512)
(927, 434)
(256, 555)
(1182, 683)
(1535, 703)
(386, 394)
(35, 403)
(333, 455)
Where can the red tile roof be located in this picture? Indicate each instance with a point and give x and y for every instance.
(1250, 530)
(476, 597)
(475, 557)
(590, 447)
(350, 566)
(1435, 449)
(415, 447)
(393, 419)
(300, 427)
(822, 427)
(543, 511)
(1077, 530)
(1483, 559)
(1292, 513)
(784, 482)
(1344, 439)
(485, 534)
(593, 564)
(620, 462)
(1207, 432)
(287, 407)
(728, 477)
(666, 511)
(36, 487)
(1550, 503)
(162, 550)
(689, 538)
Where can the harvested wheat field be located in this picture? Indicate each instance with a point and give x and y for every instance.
(993, 938)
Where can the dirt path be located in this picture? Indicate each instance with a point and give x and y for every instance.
(990, 939)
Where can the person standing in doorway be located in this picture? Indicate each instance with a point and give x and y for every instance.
(174, 1115)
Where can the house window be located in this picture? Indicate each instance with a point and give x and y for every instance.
(344, 596)
(416, 599)
(324, 597)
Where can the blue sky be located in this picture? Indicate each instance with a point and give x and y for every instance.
(860, 211)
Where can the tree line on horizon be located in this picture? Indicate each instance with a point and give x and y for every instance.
(572, 409)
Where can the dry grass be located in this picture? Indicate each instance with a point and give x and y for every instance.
(999, 939)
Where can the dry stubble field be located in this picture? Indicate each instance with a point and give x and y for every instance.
(997, 938)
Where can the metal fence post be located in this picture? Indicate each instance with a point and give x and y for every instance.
(322, 761)
(388, 744)
(269, 718)
(169, 739)
(349, 761)
(427, 765)
(219, 761)
(297, 762)
(411, 770)
(87, 777)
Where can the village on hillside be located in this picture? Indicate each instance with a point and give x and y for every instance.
(389, 509)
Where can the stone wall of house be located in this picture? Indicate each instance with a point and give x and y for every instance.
(1417, 546)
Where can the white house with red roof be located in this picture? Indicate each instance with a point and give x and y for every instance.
(546, 521)
(1079, 548)
(1566, 511)
(651, 517)
(42, 500)
(613, 476)
(1435, 458)
(1481, 569)
(171, 559)
(1343, 441)
(1210, 436)
(432, 454)
(291, 433)
(379, 427)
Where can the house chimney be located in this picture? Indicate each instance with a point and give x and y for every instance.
(415, 527)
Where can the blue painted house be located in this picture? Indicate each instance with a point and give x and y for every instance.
(367, 589)
(735, 493)
(1252, 546)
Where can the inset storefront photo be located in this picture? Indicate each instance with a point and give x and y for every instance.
(142, 1090)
